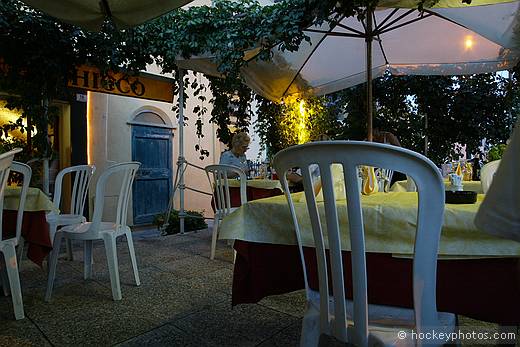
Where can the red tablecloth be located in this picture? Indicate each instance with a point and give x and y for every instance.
(483, 289)
(35, 232)
(252, 194)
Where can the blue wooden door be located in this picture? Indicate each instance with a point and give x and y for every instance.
(152, 147)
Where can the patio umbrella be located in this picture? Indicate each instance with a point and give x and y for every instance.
(438, 41)
(90, 14)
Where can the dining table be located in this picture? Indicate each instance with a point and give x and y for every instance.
(35, 230)
(478, 275)
(259, 188)
(476, 186)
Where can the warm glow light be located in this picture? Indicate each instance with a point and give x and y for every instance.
(302, 129)
(89, 129)
(7, 116)
(295, 124)
(468, 42)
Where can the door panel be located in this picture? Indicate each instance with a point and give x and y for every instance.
(152, 147)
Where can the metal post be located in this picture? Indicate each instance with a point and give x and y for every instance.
(181, 161)
(369, 38)
(426, 135)
(46, 178)
(47, 152)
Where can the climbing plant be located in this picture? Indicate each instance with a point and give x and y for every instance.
(37, 53)
(295, 121)
(230, 32)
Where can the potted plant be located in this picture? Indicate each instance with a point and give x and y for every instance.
(194, 220)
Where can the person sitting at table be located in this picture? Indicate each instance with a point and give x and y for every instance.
(388, 138)
(296, 178)
(236, 154)
(385, 137)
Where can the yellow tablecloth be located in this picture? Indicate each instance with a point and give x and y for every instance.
(259, 183)
(390, 220)
(36, 200)
(476, 186)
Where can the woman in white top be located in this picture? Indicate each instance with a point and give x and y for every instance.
(236, 155)
(297, 180)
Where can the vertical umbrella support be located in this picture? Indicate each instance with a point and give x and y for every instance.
(46, 154)
(426, 135)
(369, 38)
(181, 162)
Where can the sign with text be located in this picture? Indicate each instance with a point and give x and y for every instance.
(143, 86)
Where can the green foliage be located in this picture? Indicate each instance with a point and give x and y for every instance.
(463, 109)
(11, 143)
(44, 51)
(496, 152)
(225, 31)
(232, 32)
(277, 123)
(193, 221)
(37, 54)
(25, 156)
(353, 104)
(231, 102)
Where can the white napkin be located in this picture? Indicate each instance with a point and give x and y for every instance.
(499, 213)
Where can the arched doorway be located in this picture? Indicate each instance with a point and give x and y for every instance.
(152, 140)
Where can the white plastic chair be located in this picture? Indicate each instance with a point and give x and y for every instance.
(98, 230)
(219, 182)
(8, 246)
(82, 176)
(355, 321)
(487, 172)
(26, 172)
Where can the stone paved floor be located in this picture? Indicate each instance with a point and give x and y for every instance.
(184, 300)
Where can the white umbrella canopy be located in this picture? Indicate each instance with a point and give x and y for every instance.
(90, 14)
(438, 41)
(441, 41)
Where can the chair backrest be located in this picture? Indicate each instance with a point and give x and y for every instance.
(487, 172)
(6, 160)
(219, 183)
(351, 154)
(26, 172)
(127, 171)
(82, 176)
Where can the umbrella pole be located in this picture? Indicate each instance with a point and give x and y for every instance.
(181, 160)
(426, 135)
(369, 38)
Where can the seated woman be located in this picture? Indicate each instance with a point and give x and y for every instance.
(297, 180)
(385, 137)
(236, 155)
(388, 138)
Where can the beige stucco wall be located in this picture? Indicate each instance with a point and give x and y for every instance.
(110, 141)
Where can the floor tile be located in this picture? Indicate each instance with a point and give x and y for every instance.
(166, 335)
(243, 325)
(292, 303)
(184, 300)
(289, 336)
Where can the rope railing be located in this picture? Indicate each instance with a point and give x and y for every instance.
(182, 166)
